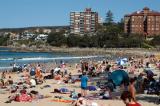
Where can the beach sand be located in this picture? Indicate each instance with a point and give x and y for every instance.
(143, 99)
(146, 100)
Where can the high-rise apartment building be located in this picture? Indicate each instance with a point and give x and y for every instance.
(145, 22)
(83, 22)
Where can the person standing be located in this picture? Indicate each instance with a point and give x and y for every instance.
(3, 75)
(131, 88)
(38, 71)
(84, 80)
(128, 99)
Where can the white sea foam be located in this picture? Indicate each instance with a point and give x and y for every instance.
(6, 58)
(46, 58)
(56, 58)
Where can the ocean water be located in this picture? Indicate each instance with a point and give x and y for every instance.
(8, 58)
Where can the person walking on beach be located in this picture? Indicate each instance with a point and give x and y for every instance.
(128, 99)
(131, 88)
(84, 80)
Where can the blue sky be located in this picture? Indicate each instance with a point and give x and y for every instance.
(25, 13)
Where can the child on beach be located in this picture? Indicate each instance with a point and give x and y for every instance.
(84, 80)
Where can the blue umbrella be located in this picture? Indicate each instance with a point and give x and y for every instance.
(118, 77)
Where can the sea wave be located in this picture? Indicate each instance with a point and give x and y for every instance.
(47, 58)
(3, 68)
(6, 58)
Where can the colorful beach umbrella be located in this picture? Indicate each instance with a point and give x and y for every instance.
(118, 77)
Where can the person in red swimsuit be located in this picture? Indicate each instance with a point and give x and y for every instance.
(127, 98)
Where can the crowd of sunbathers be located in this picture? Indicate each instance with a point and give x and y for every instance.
(33, 75)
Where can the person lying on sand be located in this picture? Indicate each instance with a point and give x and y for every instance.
(62, 91)
(36, 95)
(23, 96)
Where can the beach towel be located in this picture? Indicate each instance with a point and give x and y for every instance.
(92, 88)
(62, 100)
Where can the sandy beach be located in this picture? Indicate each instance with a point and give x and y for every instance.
(143, 99)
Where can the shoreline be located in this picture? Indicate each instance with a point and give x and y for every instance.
(86, 51)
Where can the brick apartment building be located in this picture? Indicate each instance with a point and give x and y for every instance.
(83, 22)
(145, 22)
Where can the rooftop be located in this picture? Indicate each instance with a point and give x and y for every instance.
(145, 11)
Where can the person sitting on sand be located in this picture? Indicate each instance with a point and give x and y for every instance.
(3, 75)
(9, 81)
(105, 94)
(74, 94)
(32, 71)
(39, 81)
(83, 102)
(57, 77)
(2, 84)
(80, 101)
(127, 98)
(139, 83)
(66, 79)
(38, 72)
(33, 82)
